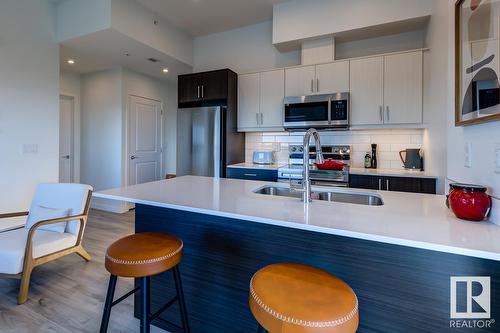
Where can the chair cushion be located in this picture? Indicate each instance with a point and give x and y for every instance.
(63, 196)
(13, 244)
(40, 213)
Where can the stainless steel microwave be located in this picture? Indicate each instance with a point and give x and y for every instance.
(329, 111)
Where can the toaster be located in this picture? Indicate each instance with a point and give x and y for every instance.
(263, 157)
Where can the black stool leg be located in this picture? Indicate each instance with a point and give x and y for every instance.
(145, 305)
(107, 306)
(261, 329)
(180, 296)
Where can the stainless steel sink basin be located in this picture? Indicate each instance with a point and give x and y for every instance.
(337, 195)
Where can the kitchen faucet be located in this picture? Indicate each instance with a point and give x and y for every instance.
(306, 182)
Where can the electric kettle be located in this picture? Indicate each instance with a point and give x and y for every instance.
(413, 159)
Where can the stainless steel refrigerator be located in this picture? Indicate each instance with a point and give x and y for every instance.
(207, 141)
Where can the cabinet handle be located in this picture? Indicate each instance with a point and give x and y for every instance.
(261, 118)
(202, 91)
(381, 111)
(387, 184)
(250, 174)
(198, 87)
(312, 85)
(387, 113)
(317, 85)
(257, 118)
(380, 184)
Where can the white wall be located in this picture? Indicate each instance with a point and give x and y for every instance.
(145, 86)
(295, 20)
(69, 85)
(483, 139)
(73, 18)
(101, 133)
(435, 98)
(134, 20)
(242, 50)
(29, 111)
(392, 43)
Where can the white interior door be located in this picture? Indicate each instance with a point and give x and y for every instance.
(145, 133)
(66, 156)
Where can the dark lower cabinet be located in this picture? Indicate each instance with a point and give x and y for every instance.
(400, 184)
(252, 174)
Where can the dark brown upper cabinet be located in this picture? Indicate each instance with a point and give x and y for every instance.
(207, 88)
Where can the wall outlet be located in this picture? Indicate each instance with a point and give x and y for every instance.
(30, 148)
(468, 155)
(497, 158)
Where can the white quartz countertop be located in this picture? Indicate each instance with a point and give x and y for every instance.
(273, 166)
(408, 219)
(391, 172)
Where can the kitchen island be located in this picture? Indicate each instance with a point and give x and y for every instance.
(397, 257)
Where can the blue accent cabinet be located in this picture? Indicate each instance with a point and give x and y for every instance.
(267, 175)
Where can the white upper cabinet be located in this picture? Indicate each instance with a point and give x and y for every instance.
(387, 89)
(300, 81)
(260, 101)
(248, 101)
(367, 91)
(272, 91)
(403, 88)
(332, 77)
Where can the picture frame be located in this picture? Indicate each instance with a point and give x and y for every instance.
(477, 61)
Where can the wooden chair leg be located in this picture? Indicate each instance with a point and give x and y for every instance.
(83, 253)
(25, 285)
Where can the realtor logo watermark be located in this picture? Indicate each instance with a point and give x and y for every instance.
(470, 302)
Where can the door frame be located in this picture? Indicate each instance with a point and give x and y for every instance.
(75, 136)
(125, 176)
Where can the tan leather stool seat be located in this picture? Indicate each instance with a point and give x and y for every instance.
(143, 254)
(295, 298)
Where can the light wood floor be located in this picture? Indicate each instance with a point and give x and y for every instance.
(67, 295)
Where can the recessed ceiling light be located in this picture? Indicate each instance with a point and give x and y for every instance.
(70, 61)
(165, 70)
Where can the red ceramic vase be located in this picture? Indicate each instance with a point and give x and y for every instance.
(469, 202)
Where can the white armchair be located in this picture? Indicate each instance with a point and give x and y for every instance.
(54, 228)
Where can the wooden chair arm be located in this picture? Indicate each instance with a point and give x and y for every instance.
(16, 214)
(53, 221)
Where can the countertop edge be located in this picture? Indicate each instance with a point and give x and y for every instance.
(338, 232)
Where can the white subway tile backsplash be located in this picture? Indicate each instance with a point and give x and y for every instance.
(389, 143)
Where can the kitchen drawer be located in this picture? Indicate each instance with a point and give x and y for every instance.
(253, 174)
(394, 183)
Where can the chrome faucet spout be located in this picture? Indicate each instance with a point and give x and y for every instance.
(306, 182)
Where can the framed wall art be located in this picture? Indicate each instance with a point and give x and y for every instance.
(477, 61)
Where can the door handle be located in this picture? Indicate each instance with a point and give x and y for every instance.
(312, 85)
(261, 118)
(133, 157)
(257, 118)
(381, 111)
(317, 85)
(387, 113)
(66, 157)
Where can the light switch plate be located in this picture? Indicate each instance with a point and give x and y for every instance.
(468, 155)
(30, 148)
(497, 158)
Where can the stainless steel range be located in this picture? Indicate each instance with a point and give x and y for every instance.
(293, 171)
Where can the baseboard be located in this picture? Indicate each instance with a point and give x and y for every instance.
(111, 206)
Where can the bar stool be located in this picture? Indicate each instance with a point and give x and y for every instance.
(295, 298)
(141, 256)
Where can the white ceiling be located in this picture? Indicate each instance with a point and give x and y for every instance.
(107, 48)
(202, 17)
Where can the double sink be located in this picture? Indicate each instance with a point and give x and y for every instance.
(337, 195)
